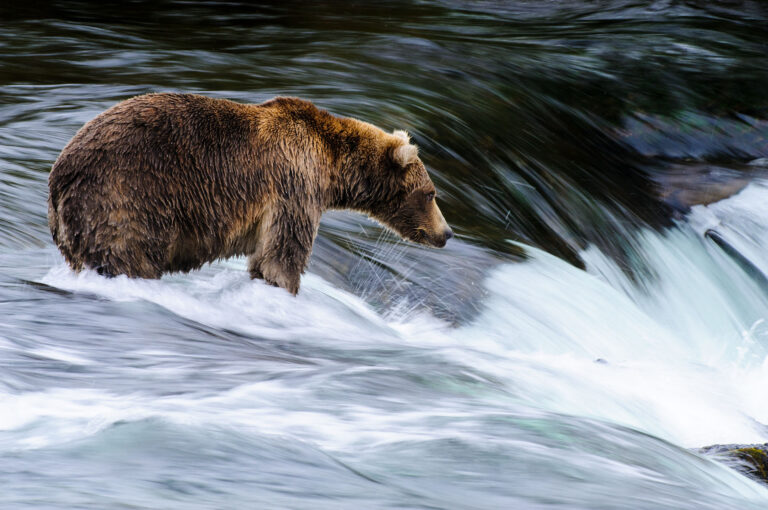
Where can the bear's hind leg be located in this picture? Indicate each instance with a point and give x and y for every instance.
(126, 257)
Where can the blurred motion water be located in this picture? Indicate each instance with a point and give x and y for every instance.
(601, 313)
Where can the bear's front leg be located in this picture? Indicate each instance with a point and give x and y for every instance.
(284, 247)
(254, 267)
(276, 272)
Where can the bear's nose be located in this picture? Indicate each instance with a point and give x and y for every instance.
(448, 234)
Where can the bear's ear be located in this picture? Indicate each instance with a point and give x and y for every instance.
(405, 154)
(403, 135)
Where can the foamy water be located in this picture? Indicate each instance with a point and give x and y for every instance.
(585, 374)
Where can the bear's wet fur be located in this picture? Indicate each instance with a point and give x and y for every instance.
(168, 182)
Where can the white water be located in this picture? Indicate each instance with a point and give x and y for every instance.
(680, 356)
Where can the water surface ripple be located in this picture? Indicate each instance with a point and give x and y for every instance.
(601, 314)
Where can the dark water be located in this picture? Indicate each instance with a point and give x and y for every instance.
(603, 164)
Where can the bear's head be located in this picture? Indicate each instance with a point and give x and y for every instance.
(413, 214)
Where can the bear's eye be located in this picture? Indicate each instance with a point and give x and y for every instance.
(430, 196)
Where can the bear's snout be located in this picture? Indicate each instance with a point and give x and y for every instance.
(443, 231)
(440, 241)
(436, 228)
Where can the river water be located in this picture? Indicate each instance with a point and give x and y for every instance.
(602, 313)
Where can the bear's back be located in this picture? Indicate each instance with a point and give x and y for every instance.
(153, 132)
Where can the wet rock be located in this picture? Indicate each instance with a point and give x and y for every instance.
(752, 460)
(683, 185)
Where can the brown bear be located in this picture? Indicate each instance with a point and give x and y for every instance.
(168, 182)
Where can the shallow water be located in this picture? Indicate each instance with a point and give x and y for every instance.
(496, 373)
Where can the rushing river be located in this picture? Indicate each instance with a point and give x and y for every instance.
(601, 315)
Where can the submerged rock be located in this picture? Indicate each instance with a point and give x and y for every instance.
(752, 460)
